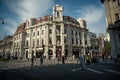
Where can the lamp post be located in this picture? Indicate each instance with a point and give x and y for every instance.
(2, 20)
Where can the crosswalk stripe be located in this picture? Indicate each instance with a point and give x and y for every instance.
(94, 70)
(113, 71)
(75, 69)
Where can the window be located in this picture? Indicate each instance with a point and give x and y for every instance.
(65, 39)
(80, 41)
(42, 41)
(58, 39)
(38, 33)
(42, 32)
(58, 15)
(33, 33)
(50, 40)
(76, 41)
(79, 34)
(76, 33)
(65, 31)
(50, 31)
(26, 43)
(71, 32)
(117, 17)
(72, 41)
(58, 29)
(85, 42)
(37, 42)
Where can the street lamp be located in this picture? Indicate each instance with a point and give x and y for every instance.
(2, 20)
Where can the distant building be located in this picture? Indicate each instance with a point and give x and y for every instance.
(93, 42)
(113, 19)
(101, 43)
(6, 45)
(54, 36)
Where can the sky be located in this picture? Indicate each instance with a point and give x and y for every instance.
(15, 12)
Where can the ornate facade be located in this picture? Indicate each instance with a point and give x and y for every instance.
(54, 36)
(6, 46)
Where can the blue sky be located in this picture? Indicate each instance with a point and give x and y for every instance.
(15, 12)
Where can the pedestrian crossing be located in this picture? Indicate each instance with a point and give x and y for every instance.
(99, 71)
(96, 71)
(37, 68)
(113, 71)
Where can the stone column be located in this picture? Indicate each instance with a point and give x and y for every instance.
(69, 40)
(46, 40)
(62, 39)
(30, 43)
(83, 41)
(54, 40)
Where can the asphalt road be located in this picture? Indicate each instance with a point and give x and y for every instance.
(69, 71)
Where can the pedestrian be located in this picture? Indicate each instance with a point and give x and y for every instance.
(81, 59)
(63, 59)
(32, 59)
(34, 56)
(58, 58)
(41, 59)
(103, 56)
(88, 59)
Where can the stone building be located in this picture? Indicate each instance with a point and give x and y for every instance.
(55, 35)
(6, 45)
(93, 42)
(113, 18)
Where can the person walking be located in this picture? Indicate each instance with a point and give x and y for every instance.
(41, 59)
(32, 59)
(63, 59)
(81, 59)
(88, 59)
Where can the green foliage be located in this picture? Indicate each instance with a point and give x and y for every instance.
(107, 47)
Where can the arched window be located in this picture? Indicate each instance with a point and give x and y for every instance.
(58, 15)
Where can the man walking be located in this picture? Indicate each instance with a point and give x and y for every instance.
(32, 59)
(63, 59)
(41, 59)
(81, 59)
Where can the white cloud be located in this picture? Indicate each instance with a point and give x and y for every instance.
(24, 9)
(95, 17)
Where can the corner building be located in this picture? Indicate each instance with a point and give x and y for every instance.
(112, 8)
(54, 36)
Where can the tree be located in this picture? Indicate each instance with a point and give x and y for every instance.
(107, 47)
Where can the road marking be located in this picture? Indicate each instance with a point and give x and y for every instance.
(113, 71)
(75, 69)
(94, 70)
